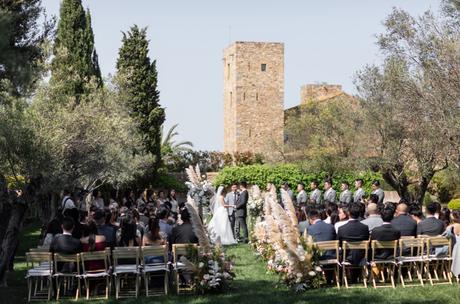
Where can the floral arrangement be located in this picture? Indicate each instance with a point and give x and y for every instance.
(212, 268)
(255, 206)
(277, 240)
(200, 189)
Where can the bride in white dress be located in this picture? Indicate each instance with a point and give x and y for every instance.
(219, 226)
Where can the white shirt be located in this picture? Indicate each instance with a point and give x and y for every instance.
(67, 203)
(340, 224)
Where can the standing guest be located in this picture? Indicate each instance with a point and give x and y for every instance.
(329, 192)
(161, 198)
(240, 214)
(373, 219)
(354, 231)
(129, 199)
(173, 200)
(403, 222)
(302, 196)
(183, 234)
(67, 201)
(359, 193)
(430, 226)
(343, 218)
(346, 196)
(108, 231)
(97, 200)
(165, 227)
(141, 198)
(93, 241)
(453, 232)
(378, 191)
(142, 215)
(230, 199)
(53, 229)
(385, 232)
(315, 194)
(416, 214)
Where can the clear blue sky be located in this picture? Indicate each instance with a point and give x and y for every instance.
(325, 41)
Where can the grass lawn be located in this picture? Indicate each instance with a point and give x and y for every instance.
(252, 285)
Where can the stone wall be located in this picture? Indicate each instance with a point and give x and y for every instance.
(319, 92)
(254, 98)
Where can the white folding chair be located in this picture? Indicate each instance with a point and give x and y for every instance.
(124, 269)
(155, 264)
(332, 263)
(182, 250)
(39, 275)
(99, 274)
(67, 273)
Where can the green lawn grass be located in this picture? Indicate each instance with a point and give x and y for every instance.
(253, 285)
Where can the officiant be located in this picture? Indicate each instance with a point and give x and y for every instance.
(230, 199)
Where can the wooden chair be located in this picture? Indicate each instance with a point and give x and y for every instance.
(332, 264)
(438, 258)
(179, 250)
(122, 271)
(67, 273)
(157, 268)
(346, 265)
(384, 265)
(97, 274)
(39, 275)
(410, 259)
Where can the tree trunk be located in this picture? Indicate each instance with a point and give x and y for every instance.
(11, 237)
(422, 187)
(400, 184)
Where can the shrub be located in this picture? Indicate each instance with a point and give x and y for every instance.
(262, 174)
(166, 181)
(454, 204)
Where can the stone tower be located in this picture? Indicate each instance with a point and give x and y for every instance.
(253, 98)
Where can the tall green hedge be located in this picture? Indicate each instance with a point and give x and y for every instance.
(262, 174)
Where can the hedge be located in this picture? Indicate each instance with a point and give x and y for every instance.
(262, 174)
(454, 204)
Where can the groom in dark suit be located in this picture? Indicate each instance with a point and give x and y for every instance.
(240, 213)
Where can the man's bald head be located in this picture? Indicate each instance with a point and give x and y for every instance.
(402, 208)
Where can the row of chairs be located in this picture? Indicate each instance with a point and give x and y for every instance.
(426, 259)
(61, 274)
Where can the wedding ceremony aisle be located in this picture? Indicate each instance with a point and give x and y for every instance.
(252, 285)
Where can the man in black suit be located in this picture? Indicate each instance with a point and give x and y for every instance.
(354, 231)
(404, 222)
(183, 234)
(385, 232)
(108, 231)
(430, 226)
(240, 214)
(65, 243)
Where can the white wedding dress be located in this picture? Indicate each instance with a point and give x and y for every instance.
(219, 226)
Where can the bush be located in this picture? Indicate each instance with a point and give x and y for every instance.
(166, 181)
(454, 204)
(262, 174)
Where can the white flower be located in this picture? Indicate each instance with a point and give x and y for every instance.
(201, 265)
(311, 273)
(299, 275)
(318, 269)
(206, 277)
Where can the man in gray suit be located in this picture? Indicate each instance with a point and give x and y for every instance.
(329, 192)
(378, 191)
(302, 196)
(373, 219)
(359, 193)
(346, 195)
(430, 226)
(230, 199)
(315, 194)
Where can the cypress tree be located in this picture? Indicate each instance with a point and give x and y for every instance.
(75, 61)
(137, 80)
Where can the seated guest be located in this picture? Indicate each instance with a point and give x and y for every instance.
(332, 215)
(416, 214)
(318, 229)
(93, 241)
(403, 222)
(108, 231)
(343, 218)
(183, 234)
(154, 238)
(78, 227)
(53, 229)
(354, 231)
(302, 219)
(65, 243)
(373, 217)
(129, 236)
(444, 216)
(165, 227)
(385, 232)
(430, 226)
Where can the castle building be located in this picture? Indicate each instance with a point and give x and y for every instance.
(254, 115)
(254, 98)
